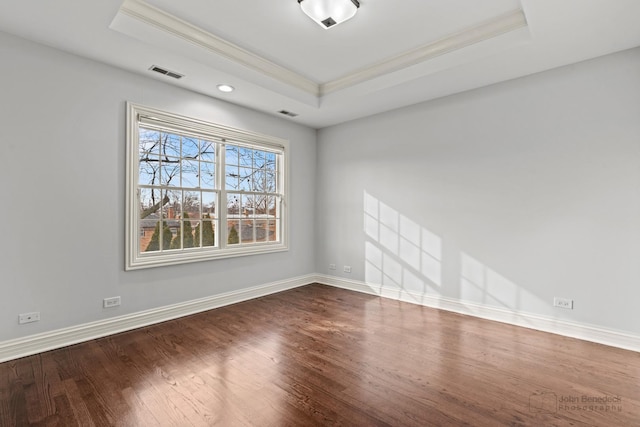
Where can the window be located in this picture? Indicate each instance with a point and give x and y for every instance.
(198, 191)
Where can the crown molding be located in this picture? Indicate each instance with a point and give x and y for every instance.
(164, 21)
(486, 30)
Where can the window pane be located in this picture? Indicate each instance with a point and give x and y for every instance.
(271, 206)
(170, 171)
(259, 159)
(208, 234)
(176, 231)
(170, 145)
(156, 205)
(149, 170)
(270, 159)
(209, 204)
(272, 235)
(174, 227)
(176, 241)
(260, 206)
(191, 204)
(245, 156)
(148, 230)
(150, 202)
(197, 233)
(187, 233)
(207, 175)
(233, 205)
(207, 151)
(259, 180)
(190, 148)
(233, 232)
(172, 207)
(232, 178)
(231, 156)
(190, 174)
(247, 231)
(262, 231)
(248, 205)
(149, 143)
(270, 182)
(246, 178)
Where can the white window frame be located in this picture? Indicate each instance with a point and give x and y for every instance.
(135, 257)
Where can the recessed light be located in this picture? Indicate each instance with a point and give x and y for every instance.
(225, 88)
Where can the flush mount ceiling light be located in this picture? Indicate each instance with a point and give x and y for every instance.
(328, 13)
(225, 88)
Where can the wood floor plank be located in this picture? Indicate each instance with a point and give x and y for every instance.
(17, 413)
(323, 356)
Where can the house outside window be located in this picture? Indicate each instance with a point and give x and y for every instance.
(200, 191)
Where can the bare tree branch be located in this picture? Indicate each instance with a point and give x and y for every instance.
(151, 209)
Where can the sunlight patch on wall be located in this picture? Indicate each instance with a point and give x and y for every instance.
(480, 283)
(399, 252)
(403, 256)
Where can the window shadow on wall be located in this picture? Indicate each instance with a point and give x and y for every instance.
(399, 253)
(404, 259)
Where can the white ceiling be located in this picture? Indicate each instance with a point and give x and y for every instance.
(391, 54)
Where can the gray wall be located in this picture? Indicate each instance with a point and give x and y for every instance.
(63, 176)
(506, 196)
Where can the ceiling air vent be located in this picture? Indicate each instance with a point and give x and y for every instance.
(166, 72)
(287, 113)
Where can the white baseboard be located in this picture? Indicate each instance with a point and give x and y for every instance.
(527, 320)
(33, 344)
(20, 347)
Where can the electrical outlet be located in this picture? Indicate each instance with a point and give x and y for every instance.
(563, 303)
(347, 269)
(332, 266)
(29, 317)
(111, 302)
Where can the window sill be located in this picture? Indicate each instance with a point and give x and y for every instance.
(185, 257)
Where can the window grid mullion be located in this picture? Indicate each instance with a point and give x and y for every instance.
(181, 216)
(280, 190)
(221, 182)
(253, 198)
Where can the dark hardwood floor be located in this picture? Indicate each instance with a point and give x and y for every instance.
(317, 355)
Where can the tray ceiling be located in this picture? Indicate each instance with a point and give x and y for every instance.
(389, 55)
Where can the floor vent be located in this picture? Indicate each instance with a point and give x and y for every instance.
(166, 72)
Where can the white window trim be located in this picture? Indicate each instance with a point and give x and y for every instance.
(135, 259)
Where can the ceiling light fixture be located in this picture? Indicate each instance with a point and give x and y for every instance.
(328, 13)
(225, 88)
